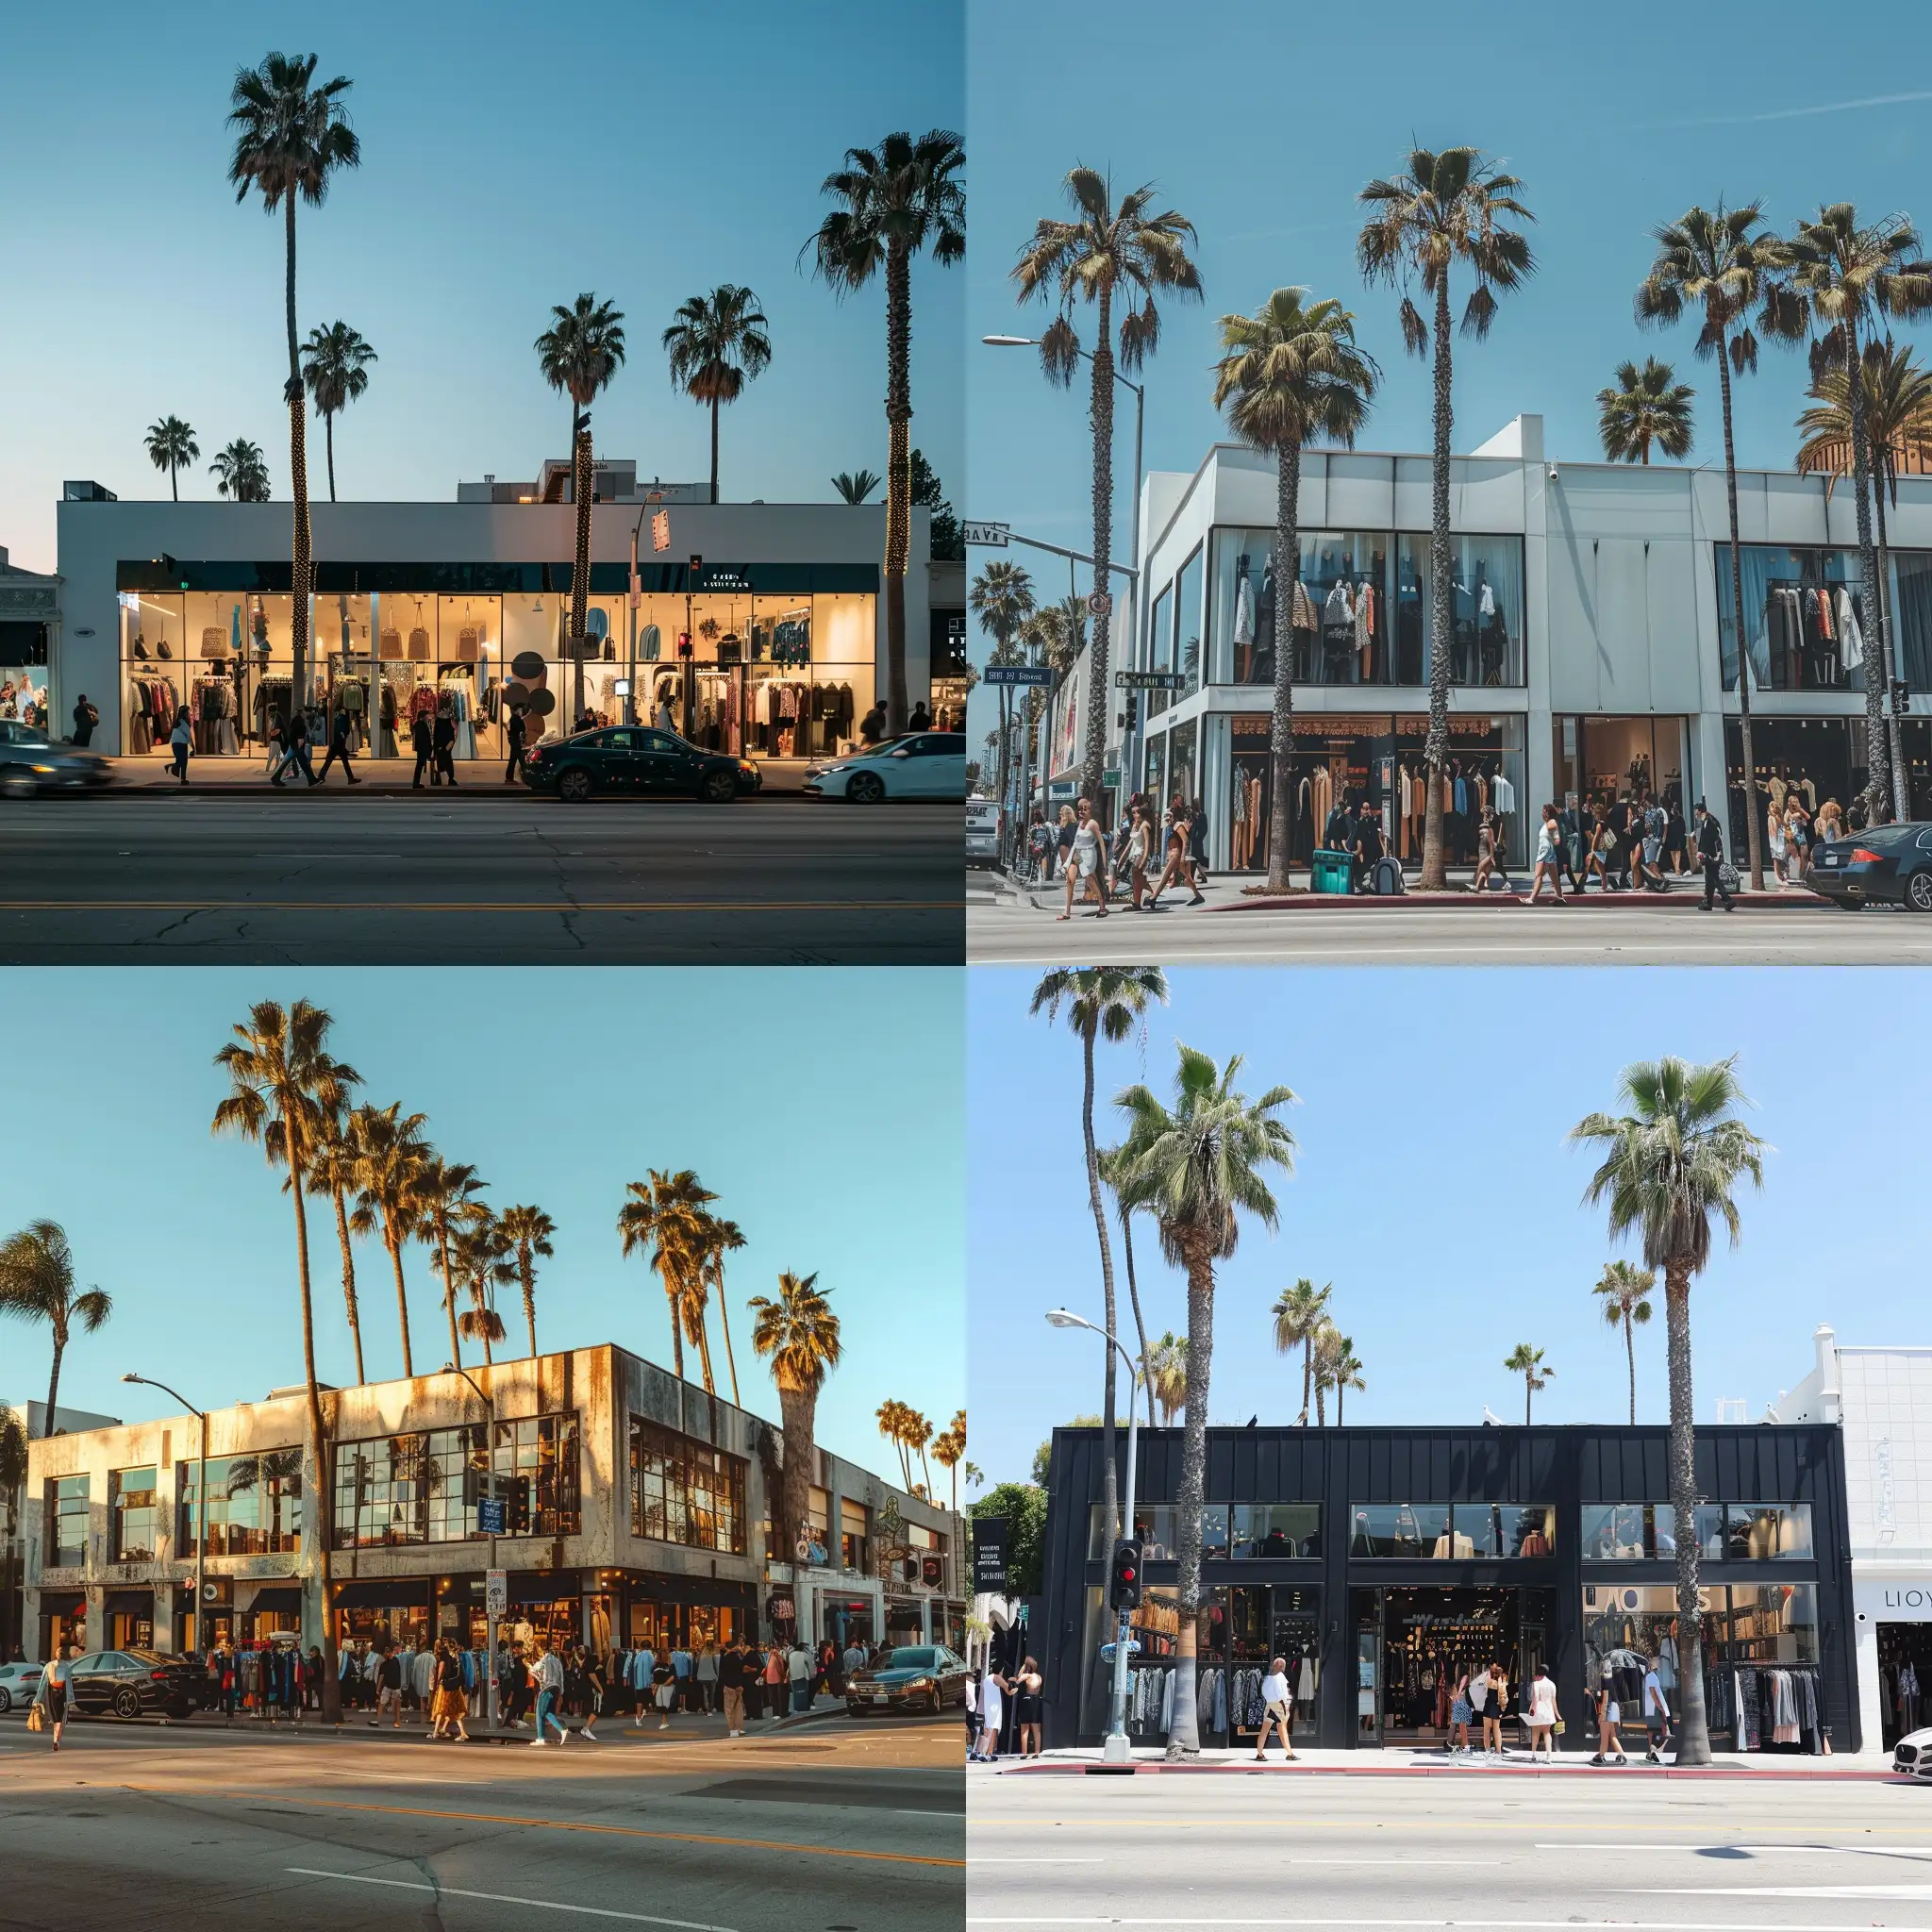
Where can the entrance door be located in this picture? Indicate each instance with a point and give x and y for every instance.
(1904, 1679)
(1368, 1667)
(1431, 1637)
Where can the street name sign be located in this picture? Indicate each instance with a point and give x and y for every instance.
(1148, 681)
(1019, 674)
(988, 536)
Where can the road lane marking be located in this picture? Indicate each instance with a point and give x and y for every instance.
(505, 1898)
(1450, 1924)
(1898, 1891)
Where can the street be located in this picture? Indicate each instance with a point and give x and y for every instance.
(1472, 1848)
(516, 880)
(835, 1825)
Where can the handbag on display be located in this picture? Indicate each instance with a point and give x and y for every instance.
(419, 645)
(466, 644)
(393, 643)
(214, 641)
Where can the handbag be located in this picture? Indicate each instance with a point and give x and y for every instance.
(36, 1718)
(214, 641)
(419, 645)
(1727, 876)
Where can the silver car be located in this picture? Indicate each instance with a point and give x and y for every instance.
(18, 1685)
(31, 762)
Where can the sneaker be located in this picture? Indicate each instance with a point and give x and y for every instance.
(563, 1738)
(536, 1744)
(1599, 1758)
(588, 1735)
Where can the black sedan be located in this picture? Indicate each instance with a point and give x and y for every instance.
(1883, 865)
(910, 1677)
(31, 762)
(634, 760)
(130, 1683)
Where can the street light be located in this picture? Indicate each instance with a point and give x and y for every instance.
(489, 1602)
(200, 1503)
(1116, 1750)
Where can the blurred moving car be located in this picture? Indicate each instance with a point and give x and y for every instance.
(1883, 865)
(928, 764)
(18, 1685)
(130, 1683)
(918, 1677)
(637, 760)
(31, 762)
(982, 831)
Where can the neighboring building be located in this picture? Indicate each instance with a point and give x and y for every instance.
(636, 1506)
(32, 1416)
(1380, 1561)
(946, 604)
(29, 625)
(1881, 1401)
(1593, 644)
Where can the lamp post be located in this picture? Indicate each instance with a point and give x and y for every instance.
(200, 1503)
(1116, 1750)
(489, 1608)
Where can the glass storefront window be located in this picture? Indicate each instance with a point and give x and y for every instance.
(1768, 1532)
(254, 1504)
(1821, 758)
(1188, 616)
(1183, 765)
(423, 1487)
(1486, 603)
(1911, 575)
(1769, 1623)
(1641, 1617)
(1278, 1529)
(1803, 617)
(1412, 610)
(1618, 1532)
(136, 1521)
(67, 1522)
(1160, 648)
(1399, 1529)
(686, 1491)
(1530, 1529)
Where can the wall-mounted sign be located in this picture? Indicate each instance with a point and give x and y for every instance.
(724, 578)
(989, 1554)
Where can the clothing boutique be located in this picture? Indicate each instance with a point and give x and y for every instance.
(1384, 1565)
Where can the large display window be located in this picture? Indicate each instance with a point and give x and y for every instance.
(1601, 760)
(1821, 758)
(1805, 618)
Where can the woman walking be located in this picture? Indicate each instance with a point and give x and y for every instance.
(180, 741)
(548, 1670)
(52, 1695)
(708, 1677)
(991, 1713)
(450, 1705)
(1485, 852)
(1543, 1715)
(1495, 1707)
(1277, 1707)
(593, 1673)
(1548, 866)
(1460, 1711)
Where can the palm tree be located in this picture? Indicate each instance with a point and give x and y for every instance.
(1851, 276)
(1451, 210)
(528, 1231)
(1346, 1374)
(392, 1166)
(1110, 1001)
(1166, 1374)
(482, 1255)
(37, 1285)
(446, 1204)
(895, 201)
(976, 1476)
(1002, 599)
(1326, 1351)
(1528, 1362)
(1289, 375)
(949, 1451)
(1198, 1166)
(1115, 1173)
(1625, 1291)
(1300, 1314)
(335, 364)
(332, 1175)
(290, 139)
(667, 1211)
(722, 1237)
(798, 1334)
(855, 486)
(1107, 254)
(892, 1414)
(1671, 1162)
(1721, 263)
(578, 354)
(12, 1481)
(1643, 406)
(918, 1434)
(717, 344)
(286, 1088)
(239, 471)
(170, 446)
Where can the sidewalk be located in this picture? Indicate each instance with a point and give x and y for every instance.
(1413, 1762)
(379, 778)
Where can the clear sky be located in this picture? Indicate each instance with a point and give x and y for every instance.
(1434, 1187)
(560, 1089)
(1263, 121)
(644, 153)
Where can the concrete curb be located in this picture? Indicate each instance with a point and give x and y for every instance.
(1461, 1770)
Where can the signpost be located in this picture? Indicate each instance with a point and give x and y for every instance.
(496, 1593)
(1019, 674)
(492, 1516)
(1148, 681)
(988, 536)
(990, 1556)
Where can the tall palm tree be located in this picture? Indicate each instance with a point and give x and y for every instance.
(1115, 1172)
(891, 1415)
(1528, 1362)
(334, 365)
(1346, 1375)
(1289, 375)
(332, 1171)
(1100, 1001)
(949, 1451)
(579, 354)
(1326, 1351)
(1671, 1164)
(170, 446)
(1166, 1374)
(1199, 1166)
(898, 200)
(722, 1237)
(239, 471)
(1643, 406)
(392, 1167)
(446, 1204)
(796, 1331)
(667, 1211)
(37, 1285)
(284, 1090)
(1625, 1291)
(13, 1482)
(1002, 598)
(1299, 1313)
(1720, 263)
(1852, 275)
(290, 137)
(918, 1434)
(482, 1252)
(717, 343)
(855, 486)
(1111, 256)
(1452, 210)
(528, 1231)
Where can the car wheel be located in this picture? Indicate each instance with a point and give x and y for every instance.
(574, 787)
(938, 1702)
(126, 1703)
(1919, 891)
(5, 1700)
(865, 787)
(14, 783)
(718, 788)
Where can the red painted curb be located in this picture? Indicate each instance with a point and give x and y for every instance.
(1684, 901)
(1650, 1770)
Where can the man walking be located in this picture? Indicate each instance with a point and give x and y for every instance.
(340, 738)
(515, 733)
(731, 1683)
(1657, 1713)
(1711, 854)
(549, 1689)
(422, 743)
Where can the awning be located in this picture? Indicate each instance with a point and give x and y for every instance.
(279, 1597)
(129, 1603)
(385, 1592)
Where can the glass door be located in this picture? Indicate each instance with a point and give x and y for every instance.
(1368, 1665)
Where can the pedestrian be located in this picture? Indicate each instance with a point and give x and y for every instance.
(774, 1680)
(1040, 846)
(1610, 1749)
(731, 1675)
(445, 739)
(450, 1707)
(1028, 1702)
(1543, 1719)
(221, 1670)
(52, 1694)
(1063, 838)
(708, 1674)
(311, 1678)
(1656, 825)
(549, 1675)
(921, 719)
(991, 1713)
(1675, 839)
(340, 743)
(180, 741)
(872, 727)
(1547, 865)
(1139, 847)
(1089, 867)
(1277, 1707)
(798, 1674)
(1197, 842)
(1797, 839)
(1485, 850)
(970, 1703)
(643, 1667)
(422, 743)
(1830, 826)
(1478, 1703)
(1601, 857)
(682, 1663)
(514, 733)
(1574, 834)
(1460, 1711)
(522, 1691)
(593, 1672)
(1775, 836)
(1495, 1709)
(295, 739)
(389, 1689)
(664, 1691)
(1175, 866)
(85, 719)
(855, 1656)
(1369, 848)
(1657, 1712)
(1711, 855)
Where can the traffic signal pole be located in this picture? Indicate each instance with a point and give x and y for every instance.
(1117, 1750)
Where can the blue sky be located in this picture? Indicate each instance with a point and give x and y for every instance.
(1262, 123)
(1433, 1186)
(646, 153)
(560, 1089)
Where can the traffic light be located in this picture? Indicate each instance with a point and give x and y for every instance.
(684, 643)
(1901, 697)
(1133, 716)
(1123, 1592)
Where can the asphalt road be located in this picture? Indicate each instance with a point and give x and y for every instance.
(1476, 1851)
(145, 1829)
(315, 879)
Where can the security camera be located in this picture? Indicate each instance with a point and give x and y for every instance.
(1553, 473)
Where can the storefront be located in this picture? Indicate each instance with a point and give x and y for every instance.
(1534, 1547)
(1821, 758)
(1597, 760)
(1895, 1650)
(29, 615)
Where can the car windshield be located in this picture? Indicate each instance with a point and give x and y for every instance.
(1881, 837)
(907, 1660)
(146, 1658)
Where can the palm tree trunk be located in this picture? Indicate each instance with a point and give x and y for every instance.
(174, 480)
(349, 1283)
(1630, 1350)
(449, 1295)
(1753, 837)
(328, 431)
(1184, 1739)
(1877, 787)
(526, 1276)
(1435, 875)
(1288, 550)
(795, 1407)
(324, 1491)
(298, 471)
(1900, 803)
(483, 1309)
(714, 449)
(53, 1379)
(704, 1341)
(1320, 1404)
(1693, 1735)
(724, 1322)
(1110, 1480)
(1006, 746)
(1341, 1389)
(1528, 1391)
(676, 1331)
(898, 475)
(1098, 697)
(580, 576)
(393, 1240)
(1134, 1295)
(1308, 1341)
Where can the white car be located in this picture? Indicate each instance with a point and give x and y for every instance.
(1911, 1756)
(928, 764)
(18, 1685)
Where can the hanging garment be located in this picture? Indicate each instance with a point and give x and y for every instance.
(1852, 641)
(1244, 610)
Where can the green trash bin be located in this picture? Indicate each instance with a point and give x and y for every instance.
(1330, 873)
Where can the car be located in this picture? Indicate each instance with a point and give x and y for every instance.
(637, 760)
(128, 1684)
(926, 765)
(17, 1684)
(917, 1676)
(1883, 865)
(31, 762)
(1911, 1756)
(982, 831)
